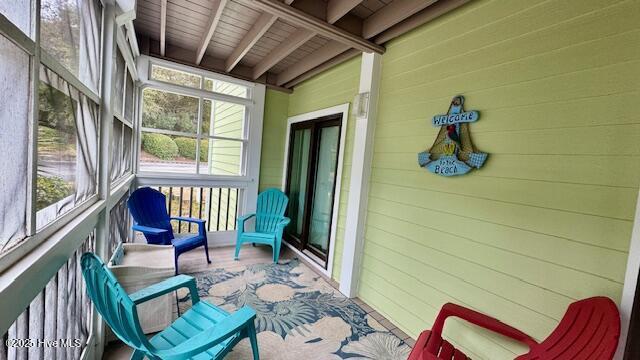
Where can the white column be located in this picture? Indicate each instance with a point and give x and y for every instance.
(360, 173)
(630, 284)
(256, 118)
(106, 124)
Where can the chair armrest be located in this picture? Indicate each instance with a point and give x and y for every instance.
(246, 217)
(284, 222)
(188, 219)
(476, 318)
(148, 230)
(212, 336)
(165, 287)
(240, 221)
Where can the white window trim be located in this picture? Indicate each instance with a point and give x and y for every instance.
(251, 142)
(338, 109)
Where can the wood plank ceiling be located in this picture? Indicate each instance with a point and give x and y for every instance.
(277, 42)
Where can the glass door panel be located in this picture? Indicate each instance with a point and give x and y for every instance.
(311, 181)
(325, 180)
(299, 169)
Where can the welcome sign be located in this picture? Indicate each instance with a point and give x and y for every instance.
(453, 152)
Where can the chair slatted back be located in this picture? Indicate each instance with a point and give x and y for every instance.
(272, 203)
(112, 302)
(589, 330)
(148, 207)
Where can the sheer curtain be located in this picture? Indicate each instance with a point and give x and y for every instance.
(87, 119)
(119, 224)
(14, 130)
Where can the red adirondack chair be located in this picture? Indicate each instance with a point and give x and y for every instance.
(589, 330)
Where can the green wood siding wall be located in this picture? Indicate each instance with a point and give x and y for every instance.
(548, 219)
(336, 86)
(273, 139)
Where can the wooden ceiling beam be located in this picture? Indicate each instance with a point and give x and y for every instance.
(183, 56)
(163, 26)
(258, 29)
(339, 8)
(316, 58)
(282, 51)
(347, 55)
(432, 12)
(216, 12)
(306, 21)
(392, 14)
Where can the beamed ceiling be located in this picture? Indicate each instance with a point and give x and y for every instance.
(277, 42)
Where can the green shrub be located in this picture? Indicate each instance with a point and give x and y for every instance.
(50, 190)
(160, 145)
(187, 148)
(204, 149)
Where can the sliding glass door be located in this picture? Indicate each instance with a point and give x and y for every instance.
(311, 182)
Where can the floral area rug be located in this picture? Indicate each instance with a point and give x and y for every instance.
(299, 315)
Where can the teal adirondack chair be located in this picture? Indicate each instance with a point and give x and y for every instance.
(270, 222)
(202, 332)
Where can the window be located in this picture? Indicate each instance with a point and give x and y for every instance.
(227, 88)
(129, 97)
(67, 147)
(122, 131)
(177, 77)
(222, 120)
(173, 133)
(70, 32)
(64, 118)
(119, 83)
(199, 129)
(14, 129)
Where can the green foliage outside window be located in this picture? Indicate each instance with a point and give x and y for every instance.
(50, 190)
(159, 145)
(167, 111)
(187, 148)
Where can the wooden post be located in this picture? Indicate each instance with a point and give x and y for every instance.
(12, 334)
(22, 353)
(61, 320)
(36, 326)
(3, 348)
(50, 318)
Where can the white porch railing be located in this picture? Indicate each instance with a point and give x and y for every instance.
(217, 205)
(58, 322)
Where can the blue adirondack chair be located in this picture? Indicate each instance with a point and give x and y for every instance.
(270, 222)
(149, 211)
(202, 332)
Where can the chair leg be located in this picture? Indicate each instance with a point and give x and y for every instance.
(175, 261)
(206, 250)
(276, 252)
(251, 330)
(137, 355)
(238, 245)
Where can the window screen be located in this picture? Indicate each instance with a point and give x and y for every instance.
(67, 147)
